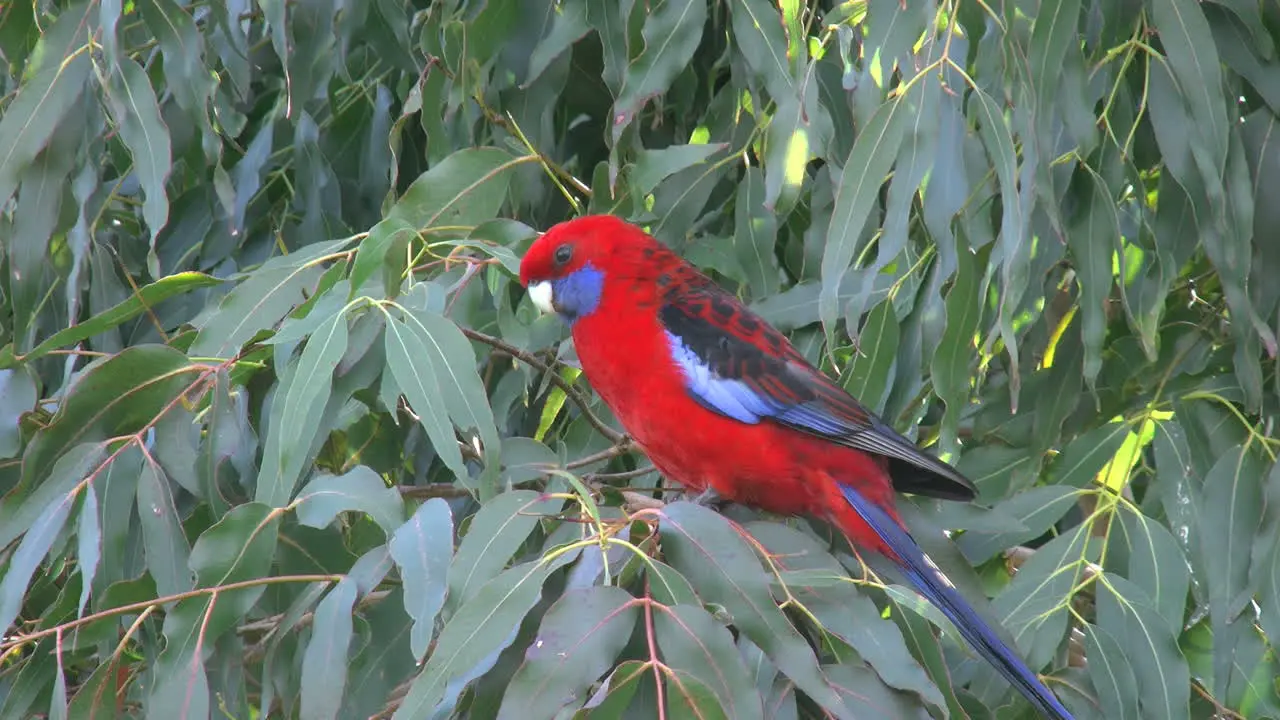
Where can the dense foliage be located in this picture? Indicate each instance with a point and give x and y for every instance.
(281, 435)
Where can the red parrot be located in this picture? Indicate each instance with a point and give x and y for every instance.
(722, 402)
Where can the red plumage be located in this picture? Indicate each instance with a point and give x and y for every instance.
(718, 399)
(624, 355)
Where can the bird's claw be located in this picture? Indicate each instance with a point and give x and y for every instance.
(709, 498)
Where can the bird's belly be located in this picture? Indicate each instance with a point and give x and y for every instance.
(749, 464)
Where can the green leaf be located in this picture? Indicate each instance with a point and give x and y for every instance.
(866, 696)
(88, 545)
(689, 697)
(147, 296)
(324, 664)
(182, 46)
(1111, 673)
(1231, 505)
(611, 22)
(651, 167)
(450, 354)
(1265, 569)
(723, 569)
(1032, 608)
(117, 396)
(419, 382)
(359, 489)
(618, 690)
(1085, 456)
(263, 299)
(463, 190)
(762, 44)
(870, 370)
(301, 399)
(133, 103)
(1150, 649)
(755, 235)
(51, 90)
(1052, 34)
(228, 448)
(695, 644)
(672, 31)
(470, 642)
(578, 641)
(390, 235)
(1193, 59)
(422, 548)
(1093, 239)
(17, 397)
(1037, 509)
(818, 581)
(31, 552)
(240, 547)
(951, 363)
(1013, 247)
(493, 536)
(163, 541)
(182, 686)
(569, 25)
(383, 661)
(1157, 565)
(857, 190)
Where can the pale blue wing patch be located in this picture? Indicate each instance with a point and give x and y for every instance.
(733, 398)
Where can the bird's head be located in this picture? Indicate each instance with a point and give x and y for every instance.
(565, 269)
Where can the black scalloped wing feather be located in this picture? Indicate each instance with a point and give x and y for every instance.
(738, 365)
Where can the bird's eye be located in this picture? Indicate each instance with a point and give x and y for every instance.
(563, 253)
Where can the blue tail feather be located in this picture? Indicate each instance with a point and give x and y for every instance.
(930, 582)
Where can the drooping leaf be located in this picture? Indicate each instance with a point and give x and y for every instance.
(870, 372)
(421, 549)
(493, 536)
(578, 641)
(120, 395)
(672, 30)
(359, 489)
(470, 642)
(164, 542)
(465, 189)
(17, 396)
(858, 187)
(51, 91)
(133, 103)
(1163, 678)
(324, 664)
(724, 570)
(1111, 673)
(302, 397)
(147, 296)
(30, 554)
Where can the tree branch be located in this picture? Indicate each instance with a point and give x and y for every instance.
(534, 361)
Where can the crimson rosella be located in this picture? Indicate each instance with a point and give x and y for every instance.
(721, 401)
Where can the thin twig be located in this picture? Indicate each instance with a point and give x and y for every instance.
(18, 640)
(534, 361)
(653, 652)
(621, 447)
(426, 492)
(627, 475)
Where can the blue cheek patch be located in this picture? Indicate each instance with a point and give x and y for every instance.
(578, 293)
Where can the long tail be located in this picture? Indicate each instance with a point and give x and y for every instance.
(930, 582)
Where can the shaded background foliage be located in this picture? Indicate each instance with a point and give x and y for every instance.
(280, 435)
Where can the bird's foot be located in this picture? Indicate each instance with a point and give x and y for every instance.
(710, 498)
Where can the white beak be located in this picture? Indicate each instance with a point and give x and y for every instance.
(543, 296)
